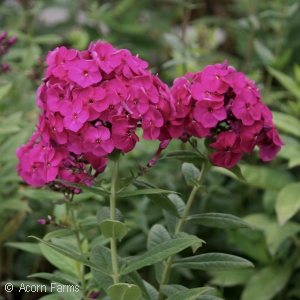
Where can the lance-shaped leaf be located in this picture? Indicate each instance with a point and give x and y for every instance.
(60, 278)
(160, 200)
(143, 192)
(161, 252)
(189, 294)
(213, 262)
(218, 220)
(104, 213)
(124, 291)
(92, 189)
(135, 278)
(190, 172)
(113, 229)
(185, 156)
(69, 253)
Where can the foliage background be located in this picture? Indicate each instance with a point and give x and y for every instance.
(260, 38)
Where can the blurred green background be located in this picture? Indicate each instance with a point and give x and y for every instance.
(259, 37)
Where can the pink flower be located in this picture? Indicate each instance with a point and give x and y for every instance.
(137, 101)
(98, 163)
(85, 73)
(246, 107)
(229, 153)
(98, 141)
(240, 82)
(123, 134)
(152, 120)
(249, 135)
(195, 128)
(52, 160)
(199, 93)
(209, 113)
(57, 93)
(214, 79)
(75, 114)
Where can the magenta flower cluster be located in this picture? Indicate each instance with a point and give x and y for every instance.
(222, 103)
(5, 44)
(92, 102)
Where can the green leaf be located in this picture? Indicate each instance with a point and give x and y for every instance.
(50, 297)
(88, 223)
(287, 123)
(287, 82)
(58, 233)
(153, 293)
(161, 252)
(28, 247)
(213, 262)
(124, 291)
(190, 172)
(104, 213)
(14, 205)
(265, 284)
(113, 229)
(63, 279)
(265, 54)
(41, 195)
(5, 89)
(92, 189)
(160, 200)
(172, 221)
(157, 235)
(288, 202)
(186, 156)
(68, 253)
(48, 39)
(5, 129)
(236, 170)
(231, 277)
(135, 278)
(143, 192)
(189, 294)
(218, 220)
(101, 257)
(261, 177)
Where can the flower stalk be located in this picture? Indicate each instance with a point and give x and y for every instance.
(168, 267)
(113, 241)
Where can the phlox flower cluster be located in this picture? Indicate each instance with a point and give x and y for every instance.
(222, 103)
(92, 102)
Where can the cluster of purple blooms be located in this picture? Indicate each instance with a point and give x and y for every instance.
(93, 101)
(222, 103)
(5, 44)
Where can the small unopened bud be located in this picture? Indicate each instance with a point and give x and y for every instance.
(94, 295)
(12, 40)
(50, 218)
(151, 163)
(164, 144)
(43, 222)
(184, 138)
(224, 65)
(3, 35)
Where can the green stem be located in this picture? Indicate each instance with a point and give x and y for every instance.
(80, 265)
(113, 241)
(168, 267)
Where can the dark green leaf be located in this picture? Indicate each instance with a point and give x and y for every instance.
(54, 277)
(186, 156)
(218, 220)
(104, 214)
(113, 229)
(213, 262)
(124, 291)
(189, 294)
(28, 247)
(190, 172)
(143, 192)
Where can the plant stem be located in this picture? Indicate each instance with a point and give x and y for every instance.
(168, 267)
(113, 241)
(80, 265)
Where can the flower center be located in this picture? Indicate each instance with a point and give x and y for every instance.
(79, 136)
(194, 121)
(217, 77)
(61, 96)
(210, 110)
(85, 73)
(33, 168)
(167, 123)
(247, 105)
(128, 133)
(179, 102)
(207, 93)
(54, 129)
(228, 149)
(75, 116)
(111, 107)
(98, 141)
(48, 165)
(135, 101)
(91, 102)
(151, 123)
